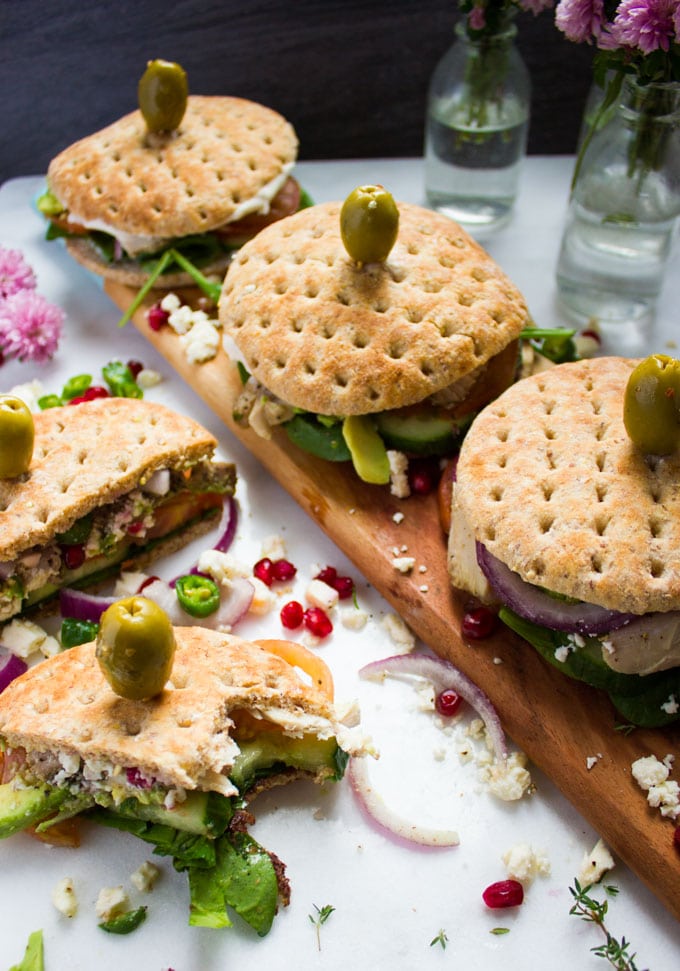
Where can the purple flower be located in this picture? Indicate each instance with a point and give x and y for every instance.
(30, 327)
(645, 24)
(15, 273)
(580, 20)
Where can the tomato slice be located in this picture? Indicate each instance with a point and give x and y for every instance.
(182, 508)
(299, 657)
(63, 221)
(285, 203)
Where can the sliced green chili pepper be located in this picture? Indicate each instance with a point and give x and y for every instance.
(126, 922)
(121, 381)
(75, 386)
(75, 632)
(49, 401)
(198, 596)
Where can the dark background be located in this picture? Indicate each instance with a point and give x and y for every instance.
(351, 75)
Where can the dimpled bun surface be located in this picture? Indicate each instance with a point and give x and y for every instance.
(326, 335)
(551, 484)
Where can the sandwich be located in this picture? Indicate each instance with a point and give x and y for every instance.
(563, 523)
(365, 362)
(180, 769)
(165, 208)
(112, 483)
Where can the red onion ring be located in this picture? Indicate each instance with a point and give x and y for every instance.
(533, 604)
(442, 674)
(386, 820)
(81, 605)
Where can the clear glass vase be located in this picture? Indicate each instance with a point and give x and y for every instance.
(624, 204)
(476, 129)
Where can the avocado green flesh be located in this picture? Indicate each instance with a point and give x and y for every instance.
(369, 455)
(257, 758)
(20, 808)
(418, 432)
(203, 813)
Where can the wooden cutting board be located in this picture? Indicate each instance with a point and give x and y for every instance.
(559, 723)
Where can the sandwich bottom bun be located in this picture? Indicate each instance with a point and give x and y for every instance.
(579, 533)
(129, 272)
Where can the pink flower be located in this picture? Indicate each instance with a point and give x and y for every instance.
(580, 20)
(477, 18)
(535, 6)
(645, 24)
(15, 273)
(30, 327)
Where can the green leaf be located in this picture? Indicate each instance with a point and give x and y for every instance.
(33, 959)
(75, 386)
(243, 878)
(120, 380)
(125, 923)
(75, 632)
(323, 441)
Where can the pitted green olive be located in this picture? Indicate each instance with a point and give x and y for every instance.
(162, 93)
(17, 434)
(369, 221)
(651, 408)
(135, 647)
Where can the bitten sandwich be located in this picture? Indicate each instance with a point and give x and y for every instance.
(111, 481)
(177, 770)
(357, 360)
(124, 196)
(562, 521)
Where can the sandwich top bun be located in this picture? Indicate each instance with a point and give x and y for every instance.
(227, 157)
(88, 455)
(328, 336)
(550, 483)
(181, 737)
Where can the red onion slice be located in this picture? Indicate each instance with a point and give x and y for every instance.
(539, 607)
(11, 667)
(226, 533)
(235, 602)
(442, 674)
(81, 605)
(389, 822)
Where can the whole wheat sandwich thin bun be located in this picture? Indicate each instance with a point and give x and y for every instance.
(228, 160)
(118, 460)
(327, 336)
(183, 738)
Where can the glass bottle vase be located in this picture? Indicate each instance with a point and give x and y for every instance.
(476, 129)
(624, 204)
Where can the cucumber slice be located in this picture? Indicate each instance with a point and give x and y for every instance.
(369, 455)
(420, 432)
(203, 813)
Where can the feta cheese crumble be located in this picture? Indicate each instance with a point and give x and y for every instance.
(524, 863)
(145, 876)
(111, 902)
(595, 864)
(64, 897)
(400, 634)
(662, 793)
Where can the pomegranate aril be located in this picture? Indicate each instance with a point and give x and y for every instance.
(447, 702)
(73, 556)
(344, 587)
(292, 614)
(157, 317)
(283, 570)
(135, 528)
(328, 575)
(317, 622)
(478, 623)
(263, 571)
(94, 391)
(135, 367)
(504, 893)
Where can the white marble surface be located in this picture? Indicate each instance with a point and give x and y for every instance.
(390, 901)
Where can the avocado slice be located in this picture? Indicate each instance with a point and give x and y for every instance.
(203, 813)
(269, 753)
(369, 455)
(20, 808)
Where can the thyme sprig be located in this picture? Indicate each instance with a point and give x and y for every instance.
(594, 911)
(319, 919)
(440, 939)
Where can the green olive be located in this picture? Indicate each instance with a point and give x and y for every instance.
(135, 647)
(17, 434)
(651, 406)
(369, 221)
(162, 93)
